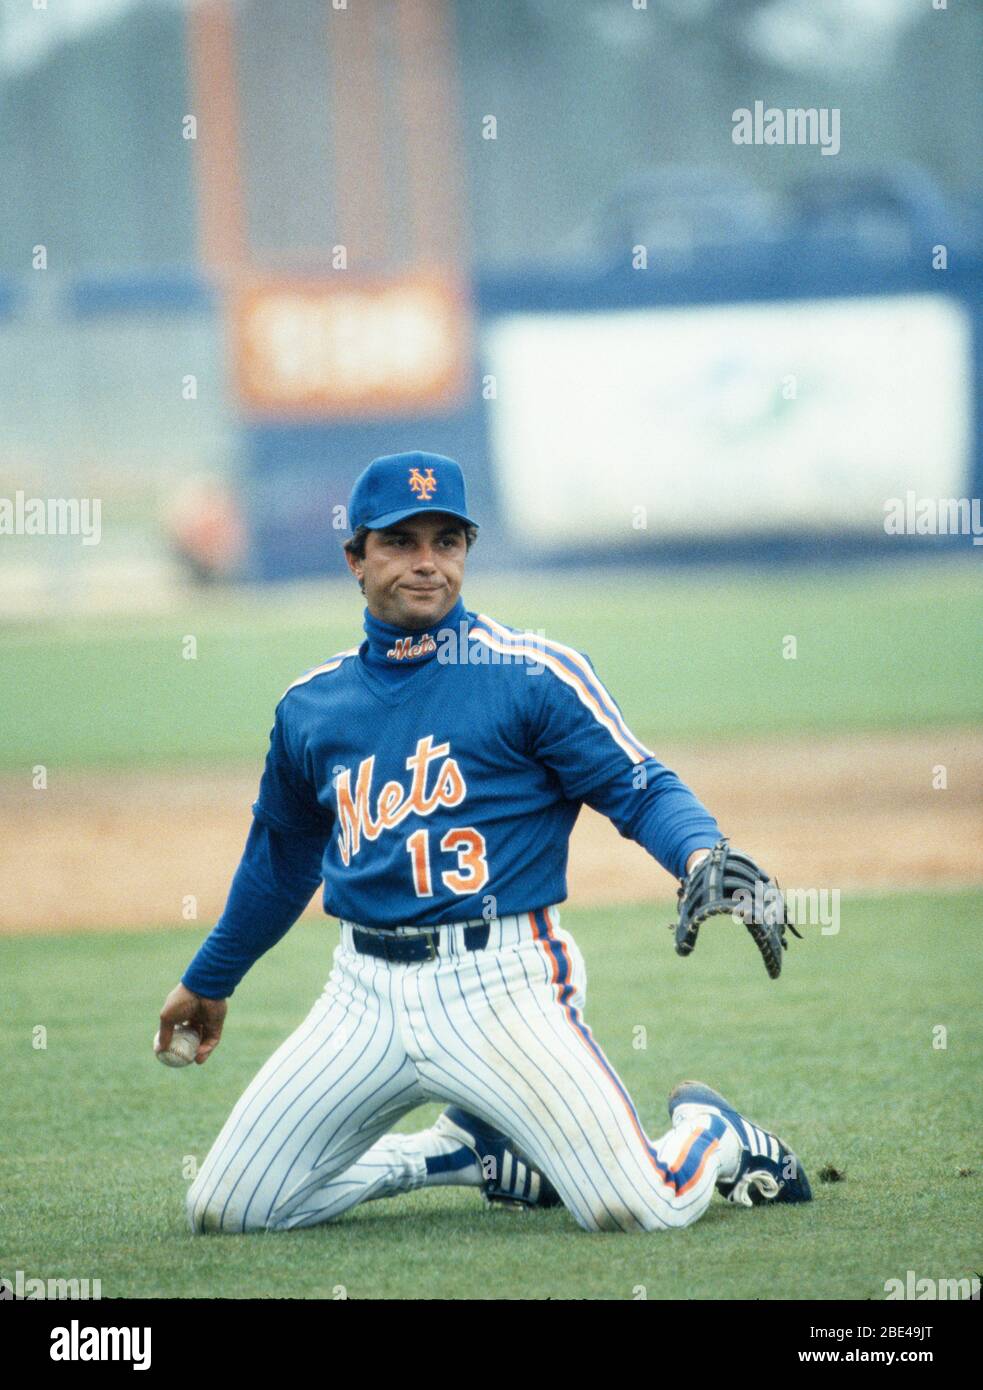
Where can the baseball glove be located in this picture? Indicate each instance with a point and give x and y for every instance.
(729, 881)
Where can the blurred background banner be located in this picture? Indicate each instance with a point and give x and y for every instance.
(247, 246)
(691, 421)
(331, 349)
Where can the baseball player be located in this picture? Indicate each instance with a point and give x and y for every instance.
(431, 777)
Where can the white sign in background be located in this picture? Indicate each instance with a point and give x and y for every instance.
(803, 415)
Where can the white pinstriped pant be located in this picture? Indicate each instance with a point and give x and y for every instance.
(498, 1032)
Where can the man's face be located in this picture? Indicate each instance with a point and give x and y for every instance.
(413, 571)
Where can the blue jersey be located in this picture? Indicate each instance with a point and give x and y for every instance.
(436, 777)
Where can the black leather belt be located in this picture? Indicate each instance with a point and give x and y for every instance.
(405, 949)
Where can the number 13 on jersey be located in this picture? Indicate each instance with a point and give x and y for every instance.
(471, 873)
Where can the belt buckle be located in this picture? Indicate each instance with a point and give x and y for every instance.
(431, 940)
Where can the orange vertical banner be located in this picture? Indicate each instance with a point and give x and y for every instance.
(428, 91)
(355, 89)
(222, 230)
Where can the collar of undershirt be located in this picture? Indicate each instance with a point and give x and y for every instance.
(392, 651)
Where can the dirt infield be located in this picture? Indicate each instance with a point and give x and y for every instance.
(97, 850)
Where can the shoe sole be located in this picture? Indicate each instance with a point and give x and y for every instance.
(795, 1189)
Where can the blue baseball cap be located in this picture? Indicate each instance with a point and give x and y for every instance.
(400, 485)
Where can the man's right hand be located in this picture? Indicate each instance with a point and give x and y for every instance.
(205, 1016)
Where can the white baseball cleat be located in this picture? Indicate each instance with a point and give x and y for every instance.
(768, 1170)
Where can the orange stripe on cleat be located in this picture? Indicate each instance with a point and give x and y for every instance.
(699, 1172)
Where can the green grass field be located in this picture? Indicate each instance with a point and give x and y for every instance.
(695, 656)
(838, 1056)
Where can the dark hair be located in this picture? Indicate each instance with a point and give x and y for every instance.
(355, 545)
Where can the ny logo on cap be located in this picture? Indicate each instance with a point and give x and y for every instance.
(423, 484)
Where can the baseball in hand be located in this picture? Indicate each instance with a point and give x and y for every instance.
(183, 1049)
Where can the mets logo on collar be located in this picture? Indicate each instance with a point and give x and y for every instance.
(423, 484)
(405, 649)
